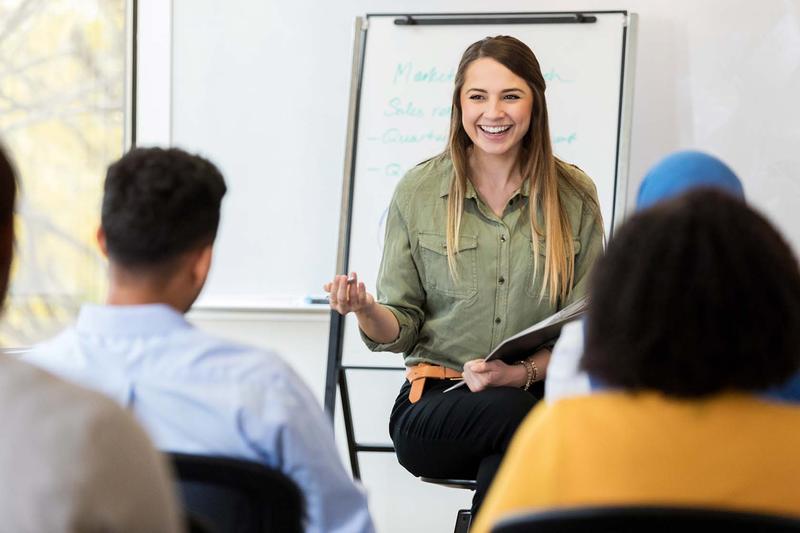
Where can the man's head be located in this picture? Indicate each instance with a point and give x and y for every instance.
(160, 215)
(8, 193)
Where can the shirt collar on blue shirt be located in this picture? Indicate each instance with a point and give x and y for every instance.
(146, 319)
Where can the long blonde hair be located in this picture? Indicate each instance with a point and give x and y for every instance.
(536, 163)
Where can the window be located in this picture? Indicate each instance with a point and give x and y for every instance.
(62, 120)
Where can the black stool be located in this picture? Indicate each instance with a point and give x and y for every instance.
(464, 516)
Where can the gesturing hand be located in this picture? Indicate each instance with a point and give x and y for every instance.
(346, 294)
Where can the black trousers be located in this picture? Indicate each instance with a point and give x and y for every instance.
(460, 434)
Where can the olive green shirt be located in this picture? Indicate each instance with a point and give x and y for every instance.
(496, 293)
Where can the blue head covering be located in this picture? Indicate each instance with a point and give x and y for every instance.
(674, 175)
(682, 171)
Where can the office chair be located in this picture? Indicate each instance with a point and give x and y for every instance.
(227, 495)
(635, 519)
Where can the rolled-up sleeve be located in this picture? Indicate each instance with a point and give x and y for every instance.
(399, 288)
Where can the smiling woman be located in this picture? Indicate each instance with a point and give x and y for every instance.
(482, 241)
(496, 109)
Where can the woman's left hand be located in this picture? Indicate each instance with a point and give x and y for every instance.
(480, 375)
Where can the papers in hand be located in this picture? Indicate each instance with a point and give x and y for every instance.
(529, 340)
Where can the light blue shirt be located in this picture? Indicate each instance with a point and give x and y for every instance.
(199, 394)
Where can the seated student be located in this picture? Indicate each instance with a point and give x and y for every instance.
(71, 461)
(194, 392)
(672, 176)
(694, 311)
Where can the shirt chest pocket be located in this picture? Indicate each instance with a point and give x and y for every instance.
(437, 277)
(535, 278)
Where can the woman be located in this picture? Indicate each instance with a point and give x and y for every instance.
(672, 176)
(694, 313)
(467, 262)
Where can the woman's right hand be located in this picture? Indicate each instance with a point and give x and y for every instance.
(348, 296)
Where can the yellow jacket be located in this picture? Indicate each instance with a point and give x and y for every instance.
(732, 451)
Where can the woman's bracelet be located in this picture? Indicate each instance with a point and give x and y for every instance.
(532, 371)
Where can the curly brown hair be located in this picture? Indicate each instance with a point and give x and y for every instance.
(695, 296)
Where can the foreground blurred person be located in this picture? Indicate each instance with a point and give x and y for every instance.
(194, 392)
(71, 460)
(694, 313)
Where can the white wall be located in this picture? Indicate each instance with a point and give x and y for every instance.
(717, 75)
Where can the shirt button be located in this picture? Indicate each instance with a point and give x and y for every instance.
(497, 320)
(501, 280)
(502, 238)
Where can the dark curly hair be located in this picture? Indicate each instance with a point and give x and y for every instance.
(159, 203)
(8, 193)
(695, 296)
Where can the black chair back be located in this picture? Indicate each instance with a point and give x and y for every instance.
(645, 519)
(224, 495)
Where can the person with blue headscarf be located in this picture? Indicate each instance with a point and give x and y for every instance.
(674, 175)
(686, 344)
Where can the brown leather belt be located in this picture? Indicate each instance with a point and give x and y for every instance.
(418, 373)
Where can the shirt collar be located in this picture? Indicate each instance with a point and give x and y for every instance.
(525, 190)
(470, 192)
(444, 188)
(149, 319)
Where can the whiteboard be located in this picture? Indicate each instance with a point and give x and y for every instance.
(722, 85)
(405, 93)
(251, 96)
